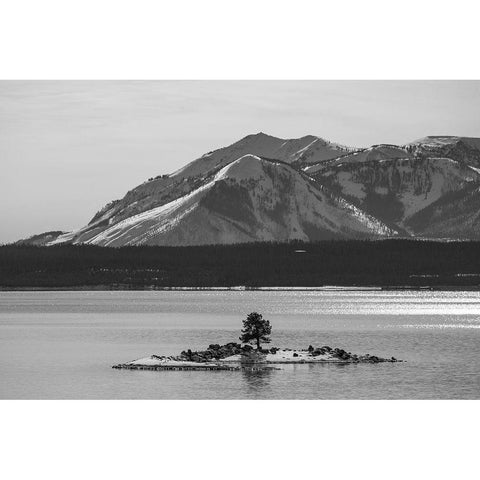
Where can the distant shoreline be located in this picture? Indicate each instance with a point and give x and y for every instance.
(324, 265)
(106, 288)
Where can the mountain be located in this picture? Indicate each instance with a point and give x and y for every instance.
(453, 216)
(304, 150)
(264, 188)
(163, 189)
(41, 239)
(396, 184)
(250, 199)
(372, 154)
(394, 190)
(462, 149)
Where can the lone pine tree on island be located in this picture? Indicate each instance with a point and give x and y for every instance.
(255, 329)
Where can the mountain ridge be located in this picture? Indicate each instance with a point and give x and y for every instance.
(258, 211)
(264, 188)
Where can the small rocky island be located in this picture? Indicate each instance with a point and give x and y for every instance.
(235, 356)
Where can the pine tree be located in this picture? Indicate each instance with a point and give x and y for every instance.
(255, 329)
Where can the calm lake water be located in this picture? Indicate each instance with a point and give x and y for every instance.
(62, 345)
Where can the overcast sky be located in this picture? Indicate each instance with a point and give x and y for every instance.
(69, 147)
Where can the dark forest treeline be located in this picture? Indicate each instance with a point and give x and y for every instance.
(388, 263)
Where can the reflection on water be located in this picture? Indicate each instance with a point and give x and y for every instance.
(257, 380)
(62, 344)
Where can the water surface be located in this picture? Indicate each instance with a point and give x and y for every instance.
(63, 344)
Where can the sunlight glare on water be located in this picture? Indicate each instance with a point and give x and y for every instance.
(63, 344)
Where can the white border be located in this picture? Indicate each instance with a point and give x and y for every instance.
(248, 39)
(239, 439)
(261, 39)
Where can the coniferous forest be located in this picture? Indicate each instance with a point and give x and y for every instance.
(386, 263)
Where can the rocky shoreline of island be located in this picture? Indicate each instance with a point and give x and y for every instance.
(234, 356)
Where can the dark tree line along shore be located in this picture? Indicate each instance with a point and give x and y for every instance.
(387, 263)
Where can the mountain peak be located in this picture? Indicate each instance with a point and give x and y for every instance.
(305, 138)
(260, 135)
(246, 167)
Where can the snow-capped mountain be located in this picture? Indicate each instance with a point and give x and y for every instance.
(264, 188)
(396, 183)
(394, 190)
(305, 150)
(164, 189)
(250, 199)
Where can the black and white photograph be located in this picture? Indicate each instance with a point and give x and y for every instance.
(342, 266)
(276, 243)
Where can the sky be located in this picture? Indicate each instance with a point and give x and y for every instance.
(69, 147)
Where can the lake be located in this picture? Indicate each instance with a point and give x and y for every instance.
(61, 345)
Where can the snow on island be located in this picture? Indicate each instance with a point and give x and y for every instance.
(234, 356)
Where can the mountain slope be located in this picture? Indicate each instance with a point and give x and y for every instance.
(394, 190)
(395, 183)
(167, 188)
(251, 199)
(308, 149)
(267, 188)
(41, 239)
(453, 216)
(374, 153)
(461, 149)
